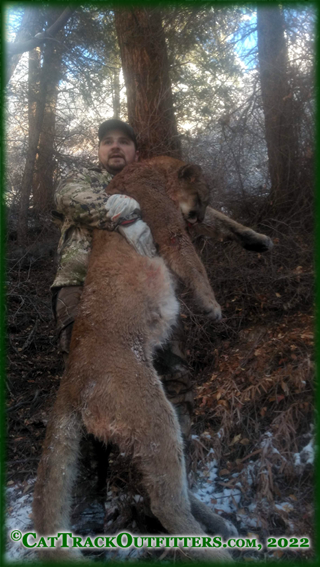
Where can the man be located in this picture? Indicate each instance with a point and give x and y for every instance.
(83, 204)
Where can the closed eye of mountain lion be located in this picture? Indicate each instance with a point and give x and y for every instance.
(110, 388)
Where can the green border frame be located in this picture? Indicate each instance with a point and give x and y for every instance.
(147, 3)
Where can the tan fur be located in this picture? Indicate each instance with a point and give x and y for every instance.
(218, 226)
(213, 223)
(155, 184)
(110, 388)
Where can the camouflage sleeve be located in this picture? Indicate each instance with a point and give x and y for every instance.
(81, 197)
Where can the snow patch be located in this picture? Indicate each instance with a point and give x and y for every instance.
(221, 501)
(18, 512)
(284, 507)
(305, 457)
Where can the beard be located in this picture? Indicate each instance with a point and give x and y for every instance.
(114, 166)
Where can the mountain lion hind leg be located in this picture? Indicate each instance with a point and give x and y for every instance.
(56, 476)
(146, 427)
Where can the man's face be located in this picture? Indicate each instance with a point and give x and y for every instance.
(116, 150)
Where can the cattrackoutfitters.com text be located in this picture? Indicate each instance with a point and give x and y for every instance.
(125, 540)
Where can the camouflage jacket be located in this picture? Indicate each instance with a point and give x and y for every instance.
(80, 201)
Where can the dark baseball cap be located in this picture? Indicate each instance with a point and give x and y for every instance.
(115, 124)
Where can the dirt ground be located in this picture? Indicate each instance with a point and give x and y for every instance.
(253, 420)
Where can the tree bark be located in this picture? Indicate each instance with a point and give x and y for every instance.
(27, 178)
(278, 102)
(146, 73)
(34, 71)
(43, 180)
(116, 93)
(35, 127)
(47, 75)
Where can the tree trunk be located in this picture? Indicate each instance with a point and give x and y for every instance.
(278, 103)
(13, 48)
(27, 177)
(30, 25)
(34, 133)
(116, 93)
(34, 71)
(43, 180)
(35, 126)
(146, 73)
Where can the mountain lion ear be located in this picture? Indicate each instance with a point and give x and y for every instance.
(189, 172)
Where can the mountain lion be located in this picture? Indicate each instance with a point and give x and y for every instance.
(110, 388)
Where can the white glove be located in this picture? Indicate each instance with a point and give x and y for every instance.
(138, 234)
(124, 212)
(121, 208)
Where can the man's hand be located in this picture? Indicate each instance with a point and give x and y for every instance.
(124, 212)
(121, 208)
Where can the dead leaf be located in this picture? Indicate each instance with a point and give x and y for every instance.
(292, 497)
(234, 502)
(286, 507)
(235, 439)
(224, 471)
(251, 535)
(276, 398)
(205, 434)
(285, 388)
(308, 336)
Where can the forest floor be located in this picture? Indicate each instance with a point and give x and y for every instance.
(252, 444)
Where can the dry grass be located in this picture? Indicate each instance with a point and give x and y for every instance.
(253, 383)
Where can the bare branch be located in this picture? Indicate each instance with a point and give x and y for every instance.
(40, 38)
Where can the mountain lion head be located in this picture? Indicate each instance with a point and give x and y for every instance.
(192, 193)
